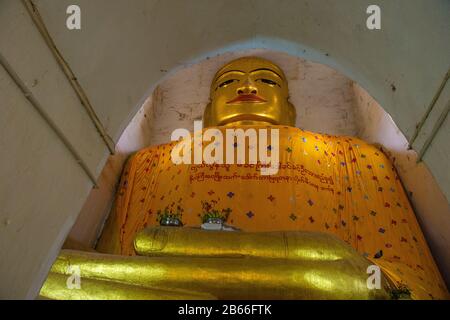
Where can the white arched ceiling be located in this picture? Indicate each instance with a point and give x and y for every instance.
(124, 50)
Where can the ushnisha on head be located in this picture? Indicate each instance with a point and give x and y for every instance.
(249, 91)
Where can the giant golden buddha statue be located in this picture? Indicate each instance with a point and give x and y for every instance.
(332, 208)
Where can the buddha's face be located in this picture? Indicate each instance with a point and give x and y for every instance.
(249, 91)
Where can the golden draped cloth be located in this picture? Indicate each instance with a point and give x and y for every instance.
(337, 185)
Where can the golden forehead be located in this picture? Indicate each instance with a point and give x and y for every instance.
(248, 64)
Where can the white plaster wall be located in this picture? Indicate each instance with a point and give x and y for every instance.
(42, 187)
(429, 203)
(122, 53)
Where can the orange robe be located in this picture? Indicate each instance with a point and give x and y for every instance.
(338, 185)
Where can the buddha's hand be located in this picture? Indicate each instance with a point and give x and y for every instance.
(295, 265)
(183, 263)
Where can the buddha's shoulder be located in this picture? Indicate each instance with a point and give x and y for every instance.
(357, 143)
(347, 142)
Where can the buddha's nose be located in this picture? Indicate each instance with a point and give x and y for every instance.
(248, 87)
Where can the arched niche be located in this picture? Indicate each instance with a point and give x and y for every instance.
(326, 100)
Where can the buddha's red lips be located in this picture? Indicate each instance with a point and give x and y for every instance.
(247, 98)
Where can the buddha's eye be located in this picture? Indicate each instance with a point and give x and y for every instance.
(270, 82)
(227, 82)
